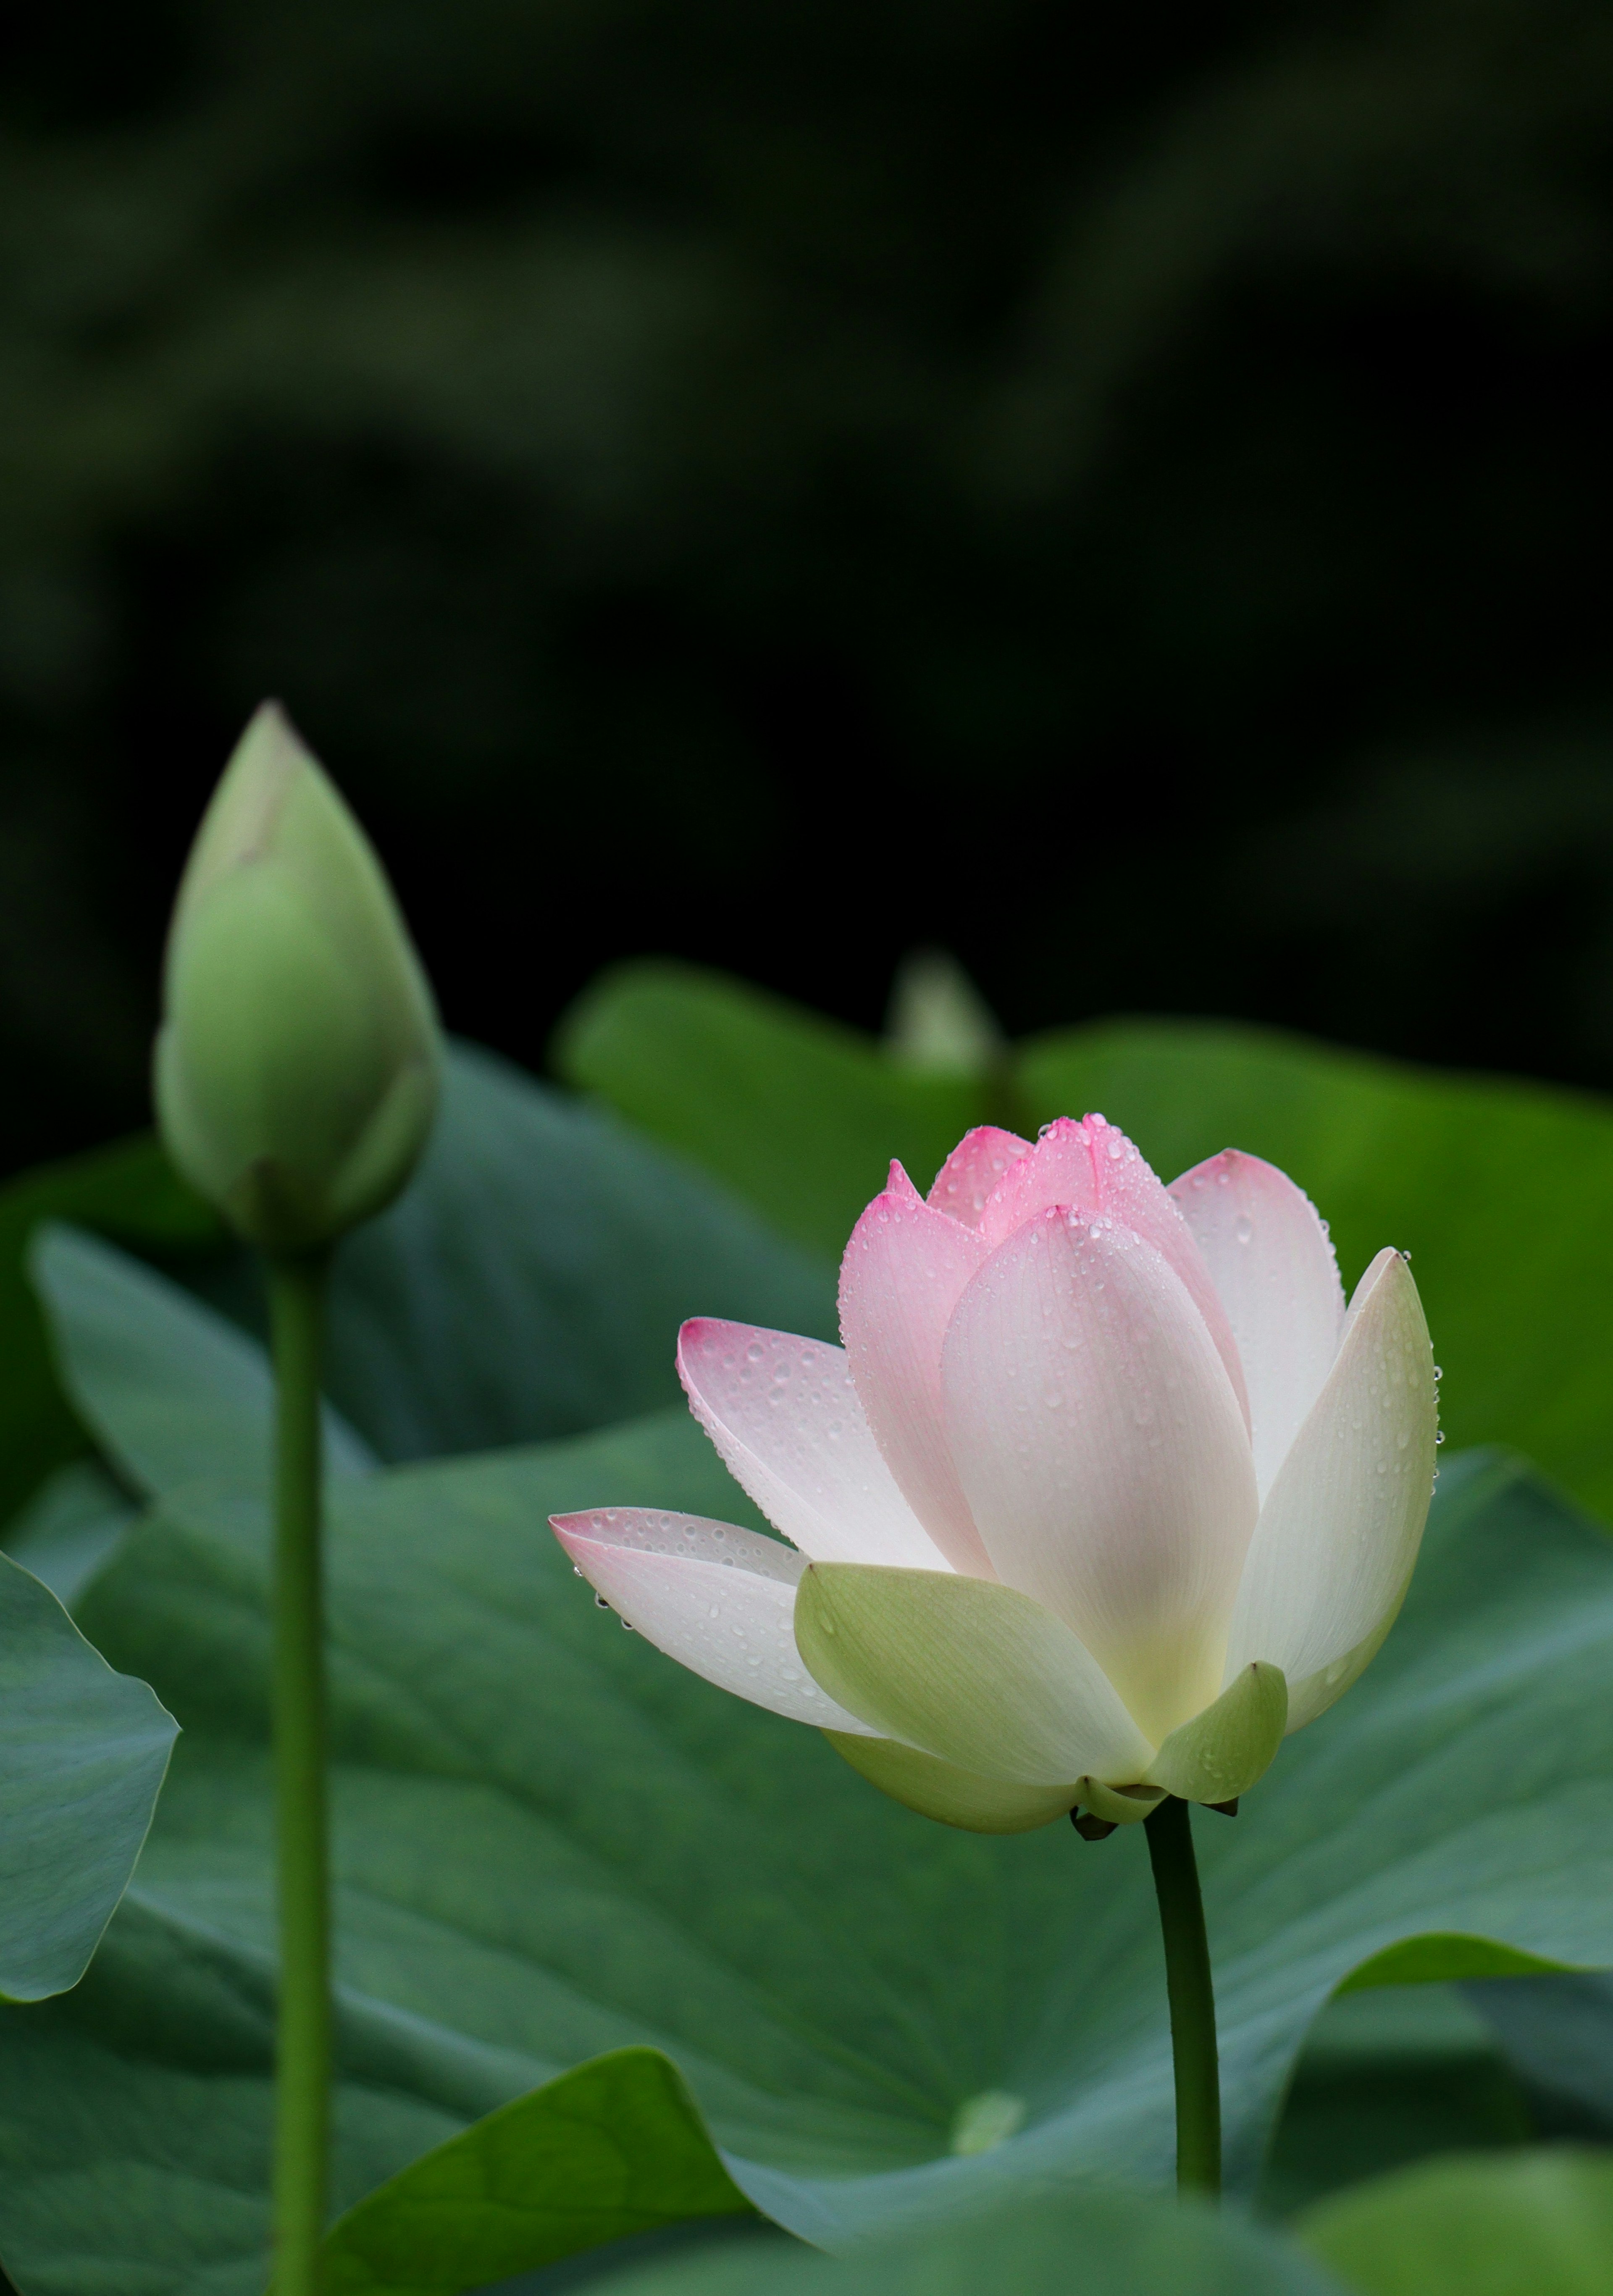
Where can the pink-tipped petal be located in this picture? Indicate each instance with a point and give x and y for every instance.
(1104, 1454)
(1337, 1536)
(972, 1171)
(786, 1419)
(719, 1600)
(903, 1272)
(1095, 1169)
(1273, 1269)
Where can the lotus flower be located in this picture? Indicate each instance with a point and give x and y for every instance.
(1106, 1491)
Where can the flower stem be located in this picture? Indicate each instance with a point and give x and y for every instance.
(302, 2070)
(1193, 1997)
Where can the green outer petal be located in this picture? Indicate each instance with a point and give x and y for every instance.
(965, 1669)
(955, 1797)
(1220, 1753)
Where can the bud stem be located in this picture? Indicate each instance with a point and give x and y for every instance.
(303, 2082)
(1193, 1997)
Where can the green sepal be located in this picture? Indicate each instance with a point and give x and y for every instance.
(954, 1796)
(1116, 1806)
(1220, 1753)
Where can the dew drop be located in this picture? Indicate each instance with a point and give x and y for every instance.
(1244, 1228)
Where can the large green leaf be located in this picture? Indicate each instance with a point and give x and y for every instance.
(70, 1527)
(126, 1191)
(1387, 2076)
(1503, 1191)
(530, 1283)
(1092, 2243)
(613, 2148)
(82, 1754)
(1539, 2223)
(551, 1842)
(1558, 2033)
(793, 1112)
(175, 1393)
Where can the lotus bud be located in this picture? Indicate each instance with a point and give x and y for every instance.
(296, 1069)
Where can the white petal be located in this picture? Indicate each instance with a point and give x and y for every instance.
(719, 1600)
(1104, 1454)
(1274, 1271)
(903, 1272)
(785, 1418)
(1337, 1537)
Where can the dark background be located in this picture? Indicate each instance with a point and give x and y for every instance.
(1122, 492)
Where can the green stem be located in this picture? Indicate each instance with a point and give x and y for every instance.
(302, 2072)
(1193, 1997)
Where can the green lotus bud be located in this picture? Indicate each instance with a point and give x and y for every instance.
(296, 1069)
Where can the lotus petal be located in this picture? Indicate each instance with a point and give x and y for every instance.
(718, 1599)
(1337, 1537)
(972, 1171)
(1104, 1454)
(969, 1671)
(901, 1277)
(1093, 1168)
(941, 1789)
(1273, 1268)
(1220, 1753)
(786, 1419)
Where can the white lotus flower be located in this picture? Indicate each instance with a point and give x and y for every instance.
(1104, 1492)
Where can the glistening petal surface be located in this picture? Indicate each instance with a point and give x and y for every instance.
(1337, 1537)
(1273, 1269)
(1092, 1167)
(965, 1183)
(718, 1599)
(1104, 1454)
(903, 1272)
(788, 1422)
(971, 1672)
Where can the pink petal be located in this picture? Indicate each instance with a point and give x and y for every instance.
(1276, 1276)
(903, 1272)
(784, 1416)
(1094, 1168)
(1103, 1454)
(719, 1600)
(973, 1169)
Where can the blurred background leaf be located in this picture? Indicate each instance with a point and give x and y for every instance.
(1121, 498)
